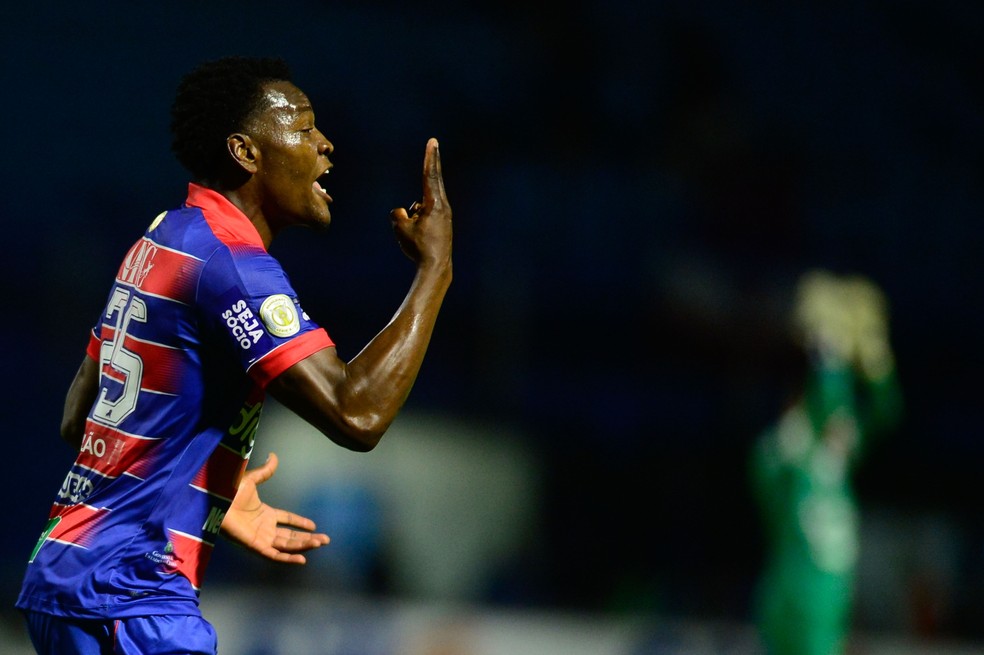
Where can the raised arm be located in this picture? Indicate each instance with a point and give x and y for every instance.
(353, 403)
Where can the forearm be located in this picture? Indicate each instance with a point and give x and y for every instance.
(354, 403)
(78, 402)
(383, 373)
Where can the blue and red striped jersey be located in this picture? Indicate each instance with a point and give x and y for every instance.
(199, 319)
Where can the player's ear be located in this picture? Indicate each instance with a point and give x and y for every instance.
(243, 151)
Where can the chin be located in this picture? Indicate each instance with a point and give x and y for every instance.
(318, 218)
(322, 217)
(322, 223)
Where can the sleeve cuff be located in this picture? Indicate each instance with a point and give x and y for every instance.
(282, 358)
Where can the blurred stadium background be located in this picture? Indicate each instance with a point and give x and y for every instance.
(636, 188)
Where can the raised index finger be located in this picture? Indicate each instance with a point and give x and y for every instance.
(433, 177)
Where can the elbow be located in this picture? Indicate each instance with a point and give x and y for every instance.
(360, 442)
(348, 416)
(359, 446)
(358, 436)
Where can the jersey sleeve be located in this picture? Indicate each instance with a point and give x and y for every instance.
(93, 346)
(246, 299)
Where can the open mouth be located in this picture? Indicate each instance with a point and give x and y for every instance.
(318, 189)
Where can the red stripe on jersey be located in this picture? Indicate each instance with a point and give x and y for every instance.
(111, 452)
(92, 348)
(163, 368)
(221, 473)
(165, 373)
(107, 332)
(160, 271)
(78, 523)
(190, 557)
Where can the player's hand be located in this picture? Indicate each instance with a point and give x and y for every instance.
(424, 231)
(869, 306)
(273, 533)
(823, 315)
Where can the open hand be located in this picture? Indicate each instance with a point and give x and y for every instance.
(273, 533)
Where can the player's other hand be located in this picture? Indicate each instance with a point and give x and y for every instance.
(273, 533)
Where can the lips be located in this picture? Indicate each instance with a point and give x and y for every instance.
(319, 190)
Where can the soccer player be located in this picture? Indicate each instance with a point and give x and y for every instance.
(201, 322)
(802, 465)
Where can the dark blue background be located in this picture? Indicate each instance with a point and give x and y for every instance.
(635, 191)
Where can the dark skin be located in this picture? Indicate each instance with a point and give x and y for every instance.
(277, 161)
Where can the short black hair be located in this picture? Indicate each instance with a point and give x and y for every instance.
(214, 100)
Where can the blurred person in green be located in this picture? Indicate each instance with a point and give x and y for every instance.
(802, 465)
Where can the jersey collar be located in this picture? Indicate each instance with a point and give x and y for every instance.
(225, 219)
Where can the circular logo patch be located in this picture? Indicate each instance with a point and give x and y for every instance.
(280, 316)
